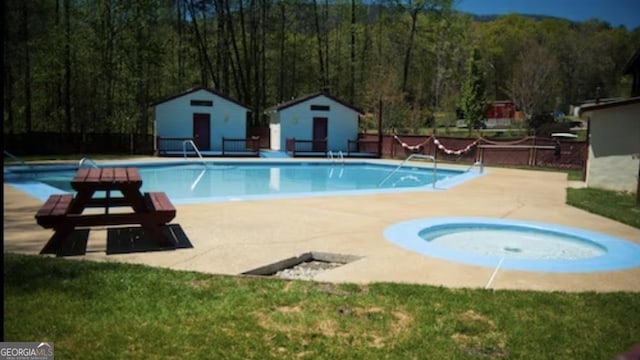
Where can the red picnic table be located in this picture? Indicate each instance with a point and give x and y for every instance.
(63, 213)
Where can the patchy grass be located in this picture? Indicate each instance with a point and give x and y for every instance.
(619, 206)
(574, 175)
(109, 310)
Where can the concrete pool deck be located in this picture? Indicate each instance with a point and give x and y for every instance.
(238, 236)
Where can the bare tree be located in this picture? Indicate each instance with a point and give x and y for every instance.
(532, 87)
(415, 8)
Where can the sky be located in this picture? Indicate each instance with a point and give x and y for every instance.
(615, 12)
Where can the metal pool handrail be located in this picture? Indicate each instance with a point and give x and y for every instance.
(334, 158)
(15, 158)
(184, 150)
(477, 163)
(412, 156)
(85, 160)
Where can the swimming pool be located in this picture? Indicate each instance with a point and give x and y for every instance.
(515, 245)
(191, 182)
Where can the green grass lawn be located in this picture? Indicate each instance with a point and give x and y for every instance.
(620, 206)
(115, 311)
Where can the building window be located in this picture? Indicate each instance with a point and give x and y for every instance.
(320, 108)
(201, 103)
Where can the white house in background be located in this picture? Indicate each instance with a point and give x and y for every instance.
(203, 115)
(314, 117)
(614, 144)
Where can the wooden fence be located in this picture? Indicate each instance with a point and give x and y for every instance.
(529, 151)
(297, 147)
(52, 143)
(241, 147)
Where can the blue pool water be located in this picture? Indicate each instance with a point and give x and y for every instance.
(189, 182)
(516, 245)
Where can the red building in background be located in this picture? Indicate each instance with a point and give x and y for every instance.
(500, 113)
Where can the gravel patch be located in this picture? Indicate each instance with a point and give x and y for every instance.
(306, 270)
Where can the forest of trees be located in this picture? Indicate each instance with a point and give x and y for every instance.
(97, 65)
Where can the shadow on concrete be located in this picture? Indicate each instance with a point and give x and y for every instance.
(124, 240)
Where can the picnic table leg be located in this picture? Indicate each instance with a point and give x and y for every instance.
(61, 233)
(80, 201)
(136, 198)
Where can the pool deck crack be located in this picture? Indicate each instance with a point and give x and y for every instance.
(519, 206)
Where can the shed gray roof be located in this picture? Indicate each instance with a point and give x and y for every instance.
(304, 98)
(192, 90)
(607, 105)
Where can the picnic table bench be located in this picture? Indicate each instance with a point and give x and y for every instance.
(64, 212)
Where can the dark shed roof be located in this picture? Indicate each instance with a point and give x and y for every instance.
(192, 90)
(304, 98)
(607, 105)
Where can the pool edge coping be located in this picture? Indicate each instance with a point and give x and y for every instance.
(406, 235)
(41, 191)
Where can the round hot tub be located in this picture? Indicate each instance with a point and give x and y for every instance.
(515, 245)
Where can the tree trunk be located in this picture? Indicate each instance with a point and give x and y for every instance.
(238, 75)
(323, 79)
(27, 68)
(326, 43)
(263, 59)
(352, 62)
(109, 79)
(202, 46)
(7, 77)
(407, 55)
(180, 19)
(67, 68)
(281, 73)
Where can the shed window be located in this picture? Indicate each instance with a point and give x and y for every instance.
(201, 103)
(320, 108)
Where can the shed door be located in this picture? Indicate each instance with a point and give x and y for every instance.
(320, 133)
(202, 131)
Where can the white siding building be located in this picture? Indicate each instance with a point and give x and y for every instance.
(614, 144)
(203, 115)
(314, 117)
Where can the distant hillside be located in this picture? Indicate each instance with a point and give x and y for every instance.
(489, 18)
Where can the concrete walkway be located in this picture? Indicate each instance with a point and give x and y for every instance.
(235, 237)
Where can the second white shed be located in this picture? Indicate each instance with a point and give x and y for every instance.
(314, 118)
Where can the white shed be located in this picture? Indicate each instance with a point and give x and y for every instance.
(201, 114)
(314, 118)
(614, 144)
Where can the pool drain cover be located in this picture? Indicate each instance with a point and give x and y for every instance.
(304, 267)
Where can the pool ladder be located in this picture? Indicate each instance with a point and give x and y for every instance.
(338, 157)
(86, 160)
(478, 164)
(193, 145)
(15, 158)
(21, 162)
(410, 157)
